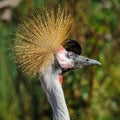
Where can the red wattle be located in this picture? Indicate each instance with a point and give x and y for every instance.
(60, 78)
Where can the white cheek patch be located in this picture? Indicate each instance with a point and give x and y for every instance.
(62, 58)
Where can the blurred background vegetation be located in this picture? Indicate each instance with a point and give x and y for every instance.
(92, 93)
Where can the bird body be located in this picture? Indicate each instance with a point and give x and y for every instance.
(43, 47)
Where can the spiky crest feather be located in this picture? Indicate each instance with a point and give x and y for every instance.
(38, 39)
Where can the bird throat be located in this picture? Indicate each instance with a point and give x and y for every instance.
(60, 78)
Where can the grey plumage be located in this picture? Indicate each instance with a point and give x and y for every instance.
(53, 89)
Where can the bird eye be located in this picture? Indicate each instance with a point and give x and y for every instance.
(70, 54)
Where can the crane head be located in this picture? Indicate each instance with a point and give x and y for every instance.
(69, 56)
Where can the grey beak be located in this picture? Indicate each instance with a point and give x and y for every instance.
(84, 61)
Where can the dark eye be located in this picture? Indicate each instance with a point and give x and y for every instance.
(70, 54)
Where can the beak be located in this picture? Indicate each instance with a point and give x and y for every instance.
(84, 61)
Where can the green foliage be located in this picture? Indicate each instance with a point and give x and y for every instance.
(92, 93)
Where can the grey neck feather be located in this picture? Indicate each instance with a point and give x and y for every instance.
(53, 89)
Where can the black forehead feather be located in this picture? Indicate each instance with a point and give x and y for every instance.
(72, 45)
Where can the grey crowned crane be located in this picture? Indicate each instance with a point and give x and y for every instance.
(43, 47)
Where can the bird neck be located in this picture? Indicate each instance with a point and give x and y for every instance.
(51, 83)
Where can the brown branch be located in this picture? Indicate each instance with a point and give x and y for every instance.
(9, 3)
(5, 7)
